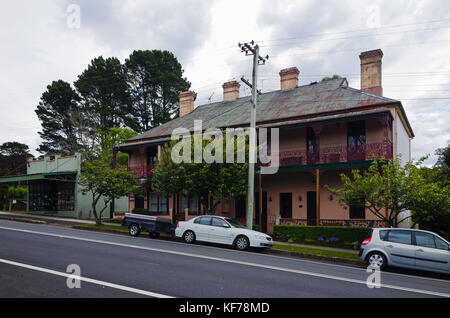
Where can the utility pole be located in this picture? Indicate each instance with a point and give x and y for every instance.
(252, 49)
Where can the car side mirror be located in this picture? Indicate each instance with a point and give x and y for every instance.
(226, 226)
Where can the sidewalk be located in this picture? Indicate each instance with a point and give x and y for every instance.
(45, 219)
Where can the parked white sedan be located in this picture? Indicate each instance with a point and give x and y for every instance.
(222, 230)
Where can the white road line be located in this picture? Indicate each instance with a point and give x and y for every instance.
(87, 280)
(350, 280)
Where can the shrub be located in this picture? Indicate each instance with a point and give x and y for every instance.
(324, 235)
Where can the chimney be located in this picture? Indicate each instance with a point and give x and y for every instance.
(371, 71)
(186, 102)
(289, 78)
(230, 91)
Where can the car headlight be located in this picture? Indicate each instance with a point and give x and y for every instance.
(260, 237)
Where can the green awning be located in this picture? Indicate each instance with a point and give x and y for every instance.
(55, 176)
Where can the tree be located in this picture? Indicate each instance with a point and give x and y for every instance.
(432, 207)
(155, 79)
(386, 189)
(212, 182)
(13, 156)
(55, 111)
(98, 177)
(104, 183)
(104, 93)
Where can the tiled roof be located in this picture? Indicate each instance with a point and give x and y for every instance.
(313, 100)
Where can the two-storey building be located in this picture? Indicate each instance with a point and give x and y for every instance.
(325, 128)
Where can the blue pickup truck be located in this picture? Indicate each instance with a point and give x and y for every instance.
(154, 225)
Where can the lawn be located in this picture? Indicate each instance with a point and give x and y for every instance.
(316, 251)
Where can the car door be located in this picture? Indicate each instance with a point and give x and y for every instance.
(220, 231)
(431, 252)
(398, 245)
(202, 228)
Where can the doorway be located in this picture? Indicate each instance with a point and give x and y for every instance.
(311, 205)
(286, 205)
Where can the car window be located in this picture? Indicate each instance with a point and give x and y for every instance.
(399, 236)
(383, 234)
(206, 220)
(440, 244)
(197, 220)
(218, 222)
(425, 239)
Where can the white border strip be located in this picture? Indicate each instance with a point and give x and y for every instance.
(350, 280)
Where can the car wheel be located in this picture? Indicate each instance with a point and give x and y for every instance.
(242, 243)
(134, 230)
(189, 237)
(377, 260)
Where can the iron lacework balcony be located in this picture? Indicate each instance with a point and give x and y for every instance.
(141, 171)
(335, 154)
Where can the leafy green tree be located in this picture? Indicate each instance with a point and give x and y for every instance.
(13, 156)
(104, 93)
(55, 110)
(104, 184)
(155, 79)
(386, 189)
(212, 182)
(98, 176)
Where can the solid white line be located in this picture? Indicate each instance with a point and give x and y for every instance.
(87, 280)
(356, 281)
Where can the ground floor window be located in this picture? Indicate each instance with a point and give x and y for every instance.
(191, 203)
(55, 196)
(357, 212)
(158, 203)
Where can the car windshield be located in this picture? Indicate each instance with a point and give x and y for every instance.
(235, 223)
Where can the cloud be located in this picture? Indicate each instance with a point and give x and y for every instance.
(320, 38)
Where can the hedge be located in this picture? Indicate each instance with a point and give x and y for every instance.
(338, 236)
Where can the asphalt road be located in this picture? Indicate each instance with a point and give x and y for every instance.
(34, 259)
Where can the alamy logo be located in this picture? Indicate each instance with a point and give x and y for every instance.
(73, 280)
(374, 279)
(73, 20)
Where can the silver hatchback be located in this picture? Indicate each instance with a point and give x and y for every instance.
(408, 248)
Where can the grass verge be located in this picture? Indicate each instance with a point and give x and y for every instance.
(317, 251)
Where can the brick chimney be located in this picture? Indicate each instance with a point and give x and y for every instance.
(230, 91)
(289, 78)
(371, 71)
(186, 102)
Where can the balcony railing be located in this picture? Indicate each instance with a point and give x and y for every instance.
(142, 171)
(337, 153)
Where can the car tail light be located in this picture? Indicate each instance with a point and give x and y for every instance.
(178, 223)
(366, 241)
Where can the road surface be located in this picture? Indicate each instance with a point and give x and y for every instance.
(34, 259)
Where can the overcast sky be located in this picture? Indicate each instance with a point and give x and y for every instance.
(47, 40)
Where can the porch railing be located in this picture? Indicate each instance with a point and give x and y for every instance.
(337, 153)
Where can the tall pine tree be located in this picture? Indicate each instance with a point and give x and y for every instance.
(104, 93)
(155, 79)
(55, 111)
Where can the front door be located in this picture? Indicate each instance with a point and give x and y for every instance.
(311, 207)
(263, 222)
(286, 205)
